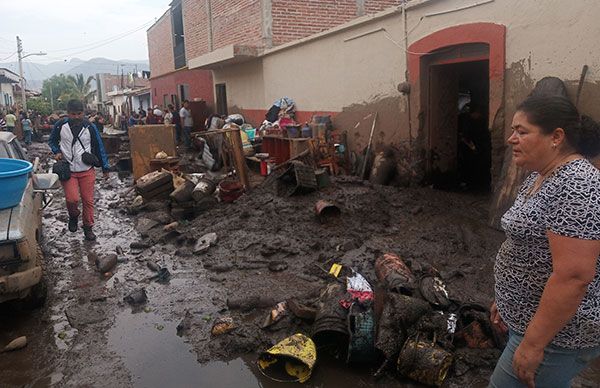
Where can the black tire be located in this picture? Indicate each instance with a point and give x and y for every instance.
(37, 296)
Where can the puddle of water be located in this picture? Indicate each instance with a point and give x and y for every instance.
(157, 357)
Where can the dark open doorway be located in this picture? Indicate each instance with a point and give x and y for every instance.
(221, 94)
(459, 141)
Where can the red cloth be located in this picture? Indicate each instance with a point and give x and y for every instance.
(81, 183)
(356, 296)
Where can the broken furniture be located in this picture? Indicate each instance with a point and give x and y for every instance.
(282, 149)
(170, 163)
(234, 149)
(146, 141)
(155, 185)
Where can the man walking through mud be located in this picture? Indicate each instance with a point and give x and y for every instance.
(78, 142)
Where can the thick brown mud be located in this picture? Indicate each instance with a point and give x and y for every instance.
(269, 249)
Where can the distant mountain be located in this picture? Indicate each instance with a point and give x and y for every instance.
(36, 73)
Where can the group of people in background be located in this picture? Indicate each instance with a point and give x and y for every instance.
(32, 121)
(181, 119)
(10, 121)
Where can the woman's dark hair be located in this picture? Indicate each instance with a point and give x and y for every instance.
(549, 113)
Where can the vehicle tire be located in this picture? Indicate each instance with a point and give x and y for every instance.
(37, 296)
(39, 292)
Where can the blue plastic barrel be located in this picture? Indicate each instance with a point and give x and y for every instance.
(14, 174)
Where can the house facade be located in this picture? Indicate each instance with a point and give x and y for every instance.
(225, 32)
(7, 95)
(416, 63)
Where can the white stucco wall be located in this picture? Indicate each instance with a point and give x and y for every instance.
(6, 89)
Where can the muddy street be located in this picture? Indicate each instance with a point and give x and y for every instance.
(149, 320)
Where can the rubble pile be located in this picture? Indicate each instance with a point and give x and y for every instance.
(288, 267)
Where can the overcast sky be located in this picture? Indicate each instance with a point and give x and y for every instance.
(84, 29)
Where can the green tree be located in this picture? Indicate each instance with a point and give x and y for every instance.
(62, 88)
(59, 89)
(39, 104)
(82, 87)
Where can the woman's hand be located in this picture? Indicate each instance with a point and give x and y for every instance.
(497, 320)
(526, 361)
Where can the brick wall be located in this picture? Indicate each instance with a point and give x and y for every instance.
(160, 46)
(374, 6)
(241, 21)
(195, 28)
(237, 21)
(233, 21)
(297, 19)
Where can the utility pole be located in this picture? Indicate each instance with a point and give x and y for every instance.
(21, 57)
(20, 54)
(51, 98)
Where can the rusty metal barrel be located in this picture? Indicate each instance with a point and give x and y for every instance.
(424, 362)
(330, 326)
(395, 275)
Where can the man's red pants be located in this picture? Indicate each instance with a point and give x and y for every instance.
(81, 182)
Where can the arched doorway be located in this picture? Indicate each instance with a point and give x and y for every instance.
(458, 77)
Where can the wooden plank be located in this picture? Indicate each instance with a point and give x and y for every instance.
(238, 158)
(145, 141)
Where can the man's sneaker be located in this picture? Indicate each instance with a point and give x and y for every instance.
(88, 233)
(73, 224)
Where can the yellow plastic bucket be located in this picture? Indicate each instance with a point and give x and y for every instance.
(291, 360)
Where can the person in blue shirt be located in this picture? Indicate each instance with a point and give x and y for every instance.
(27, 128)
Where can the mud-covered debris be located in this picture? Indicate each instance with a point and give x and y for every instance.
(247, 303)
(152, 266)
(424, 362)
(220, 268)
(157, 184)
(170, 227)
(106, 263)
(277, 266)
(394, 274)
(137, 202)
(475, 337)
(416, 210)
(222, 325)
(185, 324)
(144, 225)
(204, 188)
(275, 315)
(290, 360)
(16, 344)
(434, 291)
(326, 211)
(301, 310)
(162, 275)
(137, 297)
(81, 315)
(399, 312)
(138, 245)
(183, 193)
(205, 242)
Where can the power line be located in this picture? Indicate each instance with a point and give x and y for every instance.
(103, 42)
(10, 56)
(43, 73)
